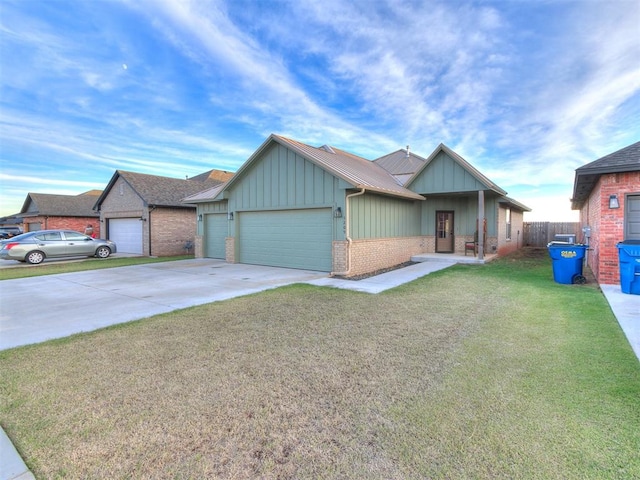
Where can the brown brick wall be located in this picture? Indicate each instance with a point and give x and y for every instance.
(376, 254)
(230, 249)
(500, 244)
(607, 225)
(171, 229)
(62, 223)
(199, 247)
(340, 256)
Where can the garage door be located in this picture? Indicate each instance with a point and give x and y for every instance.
(215, 226)
(288, 238)
(127, 234)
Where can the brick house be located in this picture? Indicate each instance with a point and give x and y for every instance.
(321, 208)
(607, 193)
(144, 214)
(43, 211)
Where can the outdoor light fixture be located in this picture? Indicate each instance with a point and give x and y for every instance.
(230, 216)
(200, 217)
(338, 212)
(613, 201)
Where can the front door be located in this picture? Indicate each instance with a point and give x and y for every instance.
(444, 232)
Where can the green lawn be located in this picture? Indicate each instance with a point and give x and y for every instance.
(25, 270)
(490, 371)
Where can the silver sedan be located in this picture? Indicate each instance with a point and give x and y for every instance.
(34, 247)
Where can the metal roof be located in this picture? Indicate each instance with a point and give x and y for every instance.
(402, 164)
(514, 203)
(204, 196)
(624, 160)
(356, 171)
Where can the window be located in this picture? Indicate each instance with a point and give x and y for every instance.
(508, 223)
(75, 236)
(48, 236)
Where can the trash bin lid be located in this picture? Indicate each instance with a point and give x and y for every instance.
(629, 242)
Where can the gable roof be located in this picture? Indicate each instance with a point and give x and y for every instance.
(463, 163)
(354, 170)
(37, 204)
(157, 190)
(402, 164)
(205, 195)
(626, 159)
(219, 176)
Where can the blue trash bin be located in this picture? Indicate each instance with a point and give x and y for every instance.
(629, 259)
(566, 260)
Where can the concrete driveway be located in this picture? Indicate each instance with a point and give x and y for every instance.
(36, 309)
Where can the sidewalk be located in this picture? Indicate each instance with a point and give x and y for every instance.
(626, 309)
(11, 465)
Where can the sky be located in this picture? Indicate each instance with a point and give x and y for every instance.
(526, 91)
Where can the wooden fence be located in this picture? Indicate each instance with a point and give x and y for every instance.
(539, 234)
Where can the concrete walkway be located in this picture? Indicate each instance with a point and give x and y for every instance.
(626, 308)
(242, 280)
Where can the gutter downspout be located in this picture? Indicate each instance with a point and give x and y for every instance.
(347, 231)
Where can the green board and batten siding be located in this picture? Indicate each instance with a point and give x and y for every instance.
(448, 186)
(444, 175)
(284, 212)
(377, 216)
(465, 208)
(282, 179)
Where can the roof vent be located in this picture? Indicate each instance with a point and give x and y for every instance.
(327, 148)
(407, 151)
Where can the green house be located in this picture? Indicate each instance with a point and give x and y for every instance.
(321, 208)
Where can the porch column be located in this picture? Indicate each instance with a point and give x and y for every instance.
(480, 224)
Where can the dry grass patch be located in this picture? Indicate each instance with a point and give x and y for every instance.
(427, 380)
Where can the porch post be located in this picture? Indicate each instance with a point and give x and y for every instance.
(480, 224)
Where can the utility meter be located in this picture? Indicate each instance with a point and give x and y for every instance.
(586, 231)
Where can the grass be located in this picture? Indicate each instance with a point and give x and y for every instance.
(24, 270)
(471, 372)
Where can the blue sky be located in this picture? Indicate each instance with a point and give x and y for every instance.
(527, 91)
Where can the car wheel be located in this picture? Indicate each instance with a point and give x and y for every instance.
(103, 252)
(34, 257)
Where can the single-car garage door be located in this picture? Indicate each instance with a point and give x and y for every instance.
(127, 234)
(287, 238)
(215, 234)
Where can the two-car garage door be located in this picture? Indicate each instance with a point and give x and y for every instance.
(286, 238)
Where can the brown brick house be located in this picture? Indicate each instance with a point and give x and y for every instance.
(42, 211)
(144, 214)
(607, 193)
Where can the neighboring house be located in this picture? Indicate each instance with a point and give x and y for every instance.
(144, 215)
(12, 221)
(607, 193)
(298, 206)
(43, 211)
